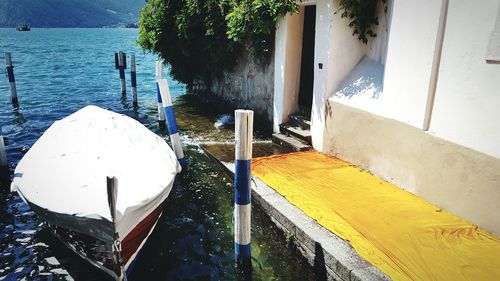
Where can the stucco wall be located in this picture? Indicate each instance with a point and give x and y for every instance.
(339, 52)
(377, 46)
(409, 45)
(249, 85)
(456, 164)
(288, 49)
(453, 177)
(467, 103)
(466, 100)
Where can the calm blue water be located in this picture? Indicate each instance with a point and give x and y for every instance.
(59, 71)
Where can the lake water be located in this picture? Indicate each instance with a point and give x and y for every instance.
(59, 71)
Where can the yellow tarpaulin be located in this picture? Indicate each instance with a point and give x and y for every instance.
(401, 234)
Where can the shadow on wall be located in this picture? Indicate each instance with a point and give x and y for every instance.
(250, 85)
(366, 79)
(319, 263)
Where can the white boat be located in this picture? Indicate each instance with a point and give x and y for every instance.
(67, 179)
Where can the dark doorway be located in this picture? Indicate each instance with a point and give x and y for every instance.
(307, 62)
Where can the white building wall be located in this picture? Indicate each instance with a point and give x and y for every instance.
(288, 54)
(406, 51)
(456, 164)
(467, 104)
(410, 55)
(376, 49)
(338, 51)
(377, 46)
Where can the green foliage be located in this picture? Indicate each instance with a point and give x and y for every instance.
(362, 15)
(189, 35)
(289, 238)
(200, 39)
(255, 21)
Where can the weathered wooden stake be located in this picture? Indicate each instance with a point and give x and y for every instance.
(9, 68)
(121, 68)
(133, 77)
(173, 129)
(242, 176)
(159, 76)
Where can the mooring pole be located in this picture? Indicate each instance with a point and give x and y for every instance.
(133, 77)
(173, 129)
(9, 69)
(3, 155)
(159, 76)
(121, 65)
(4, 165)
(242, 198)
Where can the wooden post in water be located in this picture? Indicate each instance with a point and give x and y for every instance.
(9, 68)
(173, 129)
(159, 76)
(242, 197)
(121, 65)
(133, 77)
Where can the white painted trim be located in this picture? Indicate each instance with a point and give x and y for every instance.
(161, 112)
(279, 72)
(165, 92)
(177, 146)
(8, 59)
(242, 222)
(132, 63)
(159, 70)
(435, 65)
(287, 66)
(243, 134)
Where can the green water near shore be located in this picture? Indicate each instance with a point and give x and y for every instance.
(59, 71)
(196, 231)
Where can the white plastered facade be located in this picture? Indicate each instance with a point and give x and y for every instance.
(455, 162)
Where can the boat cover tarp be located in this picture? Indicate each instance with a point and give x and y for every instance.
(63, 175)
(404, 236)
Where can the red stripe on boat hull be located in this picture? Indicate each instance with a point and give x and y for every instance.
(133, 240)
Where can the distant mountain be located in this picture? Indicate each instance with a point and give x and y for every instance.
(69, 13)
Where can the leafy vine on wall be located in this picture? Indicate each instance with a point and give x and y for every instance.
(362, 15)
(200, 39)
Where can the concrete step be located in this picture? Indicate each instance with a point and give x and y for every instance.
(290, 142)
(300, 120)
(296, 132)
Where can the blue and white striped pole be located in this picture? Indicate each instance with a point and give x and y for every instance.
(242, 198)
(121, 68)
(159, 76)
(133, 78)
(9, 69)
(173, 129)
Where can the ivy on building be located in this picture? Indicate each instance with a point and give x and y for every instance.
(200, 39)
(362, 15)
